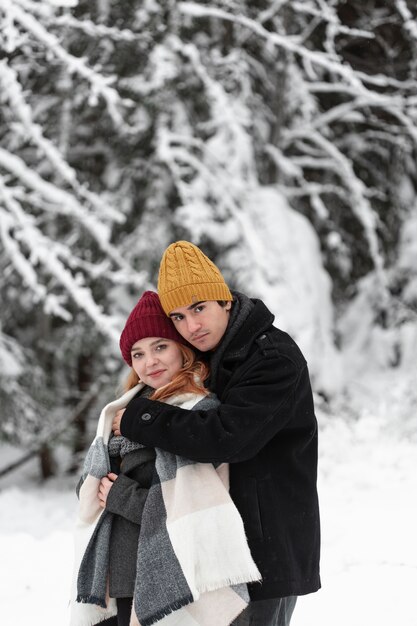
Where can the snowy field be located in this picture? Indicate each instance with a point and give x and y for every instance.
(368, 487)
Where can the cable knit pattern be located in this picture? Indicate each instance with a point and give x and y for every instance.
(187, 276)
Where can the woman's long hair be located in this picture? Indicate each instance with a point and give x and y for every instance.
(190, 378)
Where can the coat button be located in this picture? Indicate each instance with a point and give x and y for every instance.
(146, 417)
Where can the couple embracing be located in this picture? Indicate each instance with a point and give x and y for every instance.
(198, 501)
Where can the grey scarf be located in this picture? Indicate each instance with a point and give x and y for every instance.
(189, 514)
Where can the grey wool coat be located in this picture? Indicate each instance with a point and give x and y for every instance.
(126, 500)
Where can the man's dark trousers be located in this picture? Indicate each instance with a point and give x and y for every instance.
(275, 612)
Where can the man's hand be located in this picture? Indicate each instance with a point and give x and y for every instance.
(116, 422)
(106, 484)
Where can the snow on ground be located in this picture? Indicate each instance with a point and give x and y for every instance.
(367, 493)
(36, 552)
(367, 487)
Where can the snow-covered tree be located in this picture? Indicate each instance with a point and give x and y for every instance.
(63, 123)
(276, 134)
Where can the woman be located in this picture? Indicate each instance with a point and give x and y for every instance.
(146, 517)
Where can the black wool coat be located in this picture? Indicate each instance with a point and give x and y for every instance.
(266, 429)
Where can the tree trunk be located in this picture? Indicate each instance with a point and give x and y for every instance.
(47, 463)
(80, 423)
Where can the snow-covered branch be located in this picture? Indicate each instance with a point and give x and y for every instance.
(359, 203)
(328, 14)
(100, 85)
(40, 250)
(313, 189)
(410, 23)
(289, 44)
(392, 105)
(12, 94)
(58, 201)
(19, 261)
(99, 30)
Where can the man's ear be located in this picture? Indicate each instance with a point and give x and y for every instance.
(228, 305)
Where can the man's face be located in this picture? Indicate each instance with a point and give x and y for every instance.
(203, 324)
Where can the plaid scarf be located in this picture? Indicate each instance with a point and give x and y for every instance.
(193, 560)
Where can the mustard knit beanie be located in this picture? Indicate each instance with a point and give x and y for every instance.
(187, 276)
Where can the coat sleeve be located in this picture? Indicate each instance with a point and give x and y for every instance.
(253, 410)
(127, 498)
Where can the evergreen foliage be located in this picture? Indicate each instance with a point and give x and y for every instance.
(127, 125)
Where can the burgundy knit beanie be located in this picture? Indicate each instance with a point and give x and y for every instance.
(147, 320)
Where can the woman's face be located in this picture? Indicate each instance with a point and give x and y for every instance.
(156, 361)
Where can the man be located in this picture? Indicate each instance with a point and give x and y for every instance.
(265, 426)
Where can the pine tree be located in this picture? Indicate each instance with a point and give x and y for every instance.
(124, 126)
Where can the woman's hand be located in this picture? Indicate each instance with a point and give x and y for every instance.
(116, 422)
(106, 484)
